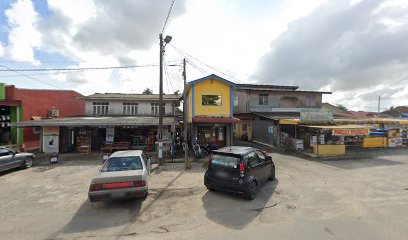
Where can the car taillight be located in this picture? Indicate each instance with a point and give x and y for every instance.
(96, 187)
(140, 183)
(118, 185)
(241, 167)
(209, 161)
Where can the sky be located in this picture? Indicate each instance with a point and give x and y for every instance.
(356, 49)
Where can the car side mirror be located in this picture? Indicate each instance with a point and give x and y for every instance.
(104, 158)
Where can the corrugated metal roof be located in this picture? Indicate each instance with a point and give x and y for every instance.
(265, 87)
(127, 97)
(95, 122)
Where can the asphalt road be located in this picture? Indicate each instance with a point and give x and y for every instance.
(346, 199)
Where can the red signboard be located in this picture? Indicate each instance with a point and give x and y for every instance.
(350, 132)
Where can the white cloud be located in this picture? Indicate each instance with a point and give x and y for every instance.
(23, 36)
(345, 48)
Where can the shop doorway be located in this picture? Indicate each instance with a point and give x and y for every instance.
(5, 130)
(214, 134)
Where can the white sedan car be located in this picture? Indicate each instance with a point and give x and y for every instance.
(124, 174)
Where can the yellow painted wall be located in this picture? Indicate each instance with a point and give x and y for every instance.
(374, 142)
(213, 87)
(329, 149)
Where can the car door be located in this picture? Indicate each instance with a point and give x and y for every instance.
(256, 166)
(5, 159)
(266, 169)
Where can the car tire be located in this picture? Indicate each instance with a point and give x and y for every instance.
(272, 174)
(210, 189)
(253, 188)
(28, 162)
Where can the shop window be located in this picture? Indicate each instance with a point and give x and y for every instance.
(100, 108)
(212, 100)
(263, 99)
(130, 108)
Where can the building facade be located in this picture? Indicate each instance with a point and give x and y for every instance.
(260, 107)
(111, 121)
(210, 110)
(17, 105)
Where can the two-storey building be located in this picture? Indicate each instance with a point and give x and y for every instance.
(112, 121)
(210, 110)
(261, 107)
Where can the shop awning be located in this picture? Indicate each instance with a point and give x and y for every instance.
(10, 103)
(357, 121)
(215, 120)
(289, 121)
(95, 122)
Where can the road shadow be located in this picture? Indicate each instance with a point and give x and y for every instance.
(235, 211)
(100, 215)
(11, 171)
(349, 164)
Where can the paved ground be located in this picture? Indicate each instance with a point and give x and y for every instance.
(346, 199)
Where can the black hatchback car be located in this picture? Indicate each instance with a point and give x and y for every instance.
(238, 169)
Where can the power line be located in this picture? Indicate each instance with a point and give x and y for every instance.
(168, 15)
(27, 76)
(78, 69)
(211, 67)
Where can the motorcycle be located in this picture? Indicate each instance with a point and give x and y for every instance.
(208, 148)
(198, 153)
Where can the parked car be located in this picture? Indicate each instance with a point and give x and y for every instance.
(124, 174)
(12, 159)
(238, 169)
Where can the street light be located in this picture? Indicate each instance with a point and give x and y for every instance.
(163, 44)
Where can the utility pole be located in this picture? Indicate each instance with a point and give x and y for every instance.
(163, 43)
(160, 130)
(379, 103)
(185, 117)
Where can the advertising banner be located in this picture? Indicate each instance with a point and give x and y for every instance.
(350, 132)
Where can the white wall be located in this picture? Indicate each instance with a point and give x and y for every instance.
(116, 107)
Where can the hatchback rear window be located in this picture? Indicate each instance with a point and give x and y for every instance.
(122, 164)
(224, 160)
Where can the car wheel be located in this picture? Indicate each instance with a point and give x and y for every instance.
(272, 176)
(253, 187)
(210, 189)
(28, 162)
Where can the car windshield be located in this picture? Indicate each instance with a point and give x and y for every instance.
(224, 160)
(114, 164)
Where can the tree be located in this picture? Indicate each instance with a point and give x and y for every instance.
(342, 107)
(147, 91)
(177, 92)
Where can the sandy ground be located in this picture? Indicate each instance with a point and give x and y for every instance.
(345, 199)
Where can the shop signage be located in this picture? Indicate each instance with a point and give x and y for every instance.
(51, 139)
(350, 132)
(315, 116)
(110, 134)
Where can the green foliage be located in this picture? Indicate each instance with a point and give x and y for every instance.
(147, 91)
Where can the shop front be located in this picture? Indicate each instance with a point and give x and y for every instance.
(99, 134)
(333, 140)
(218, 131)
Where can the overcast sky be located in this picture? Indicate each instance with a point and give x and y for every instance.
(356, 49)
